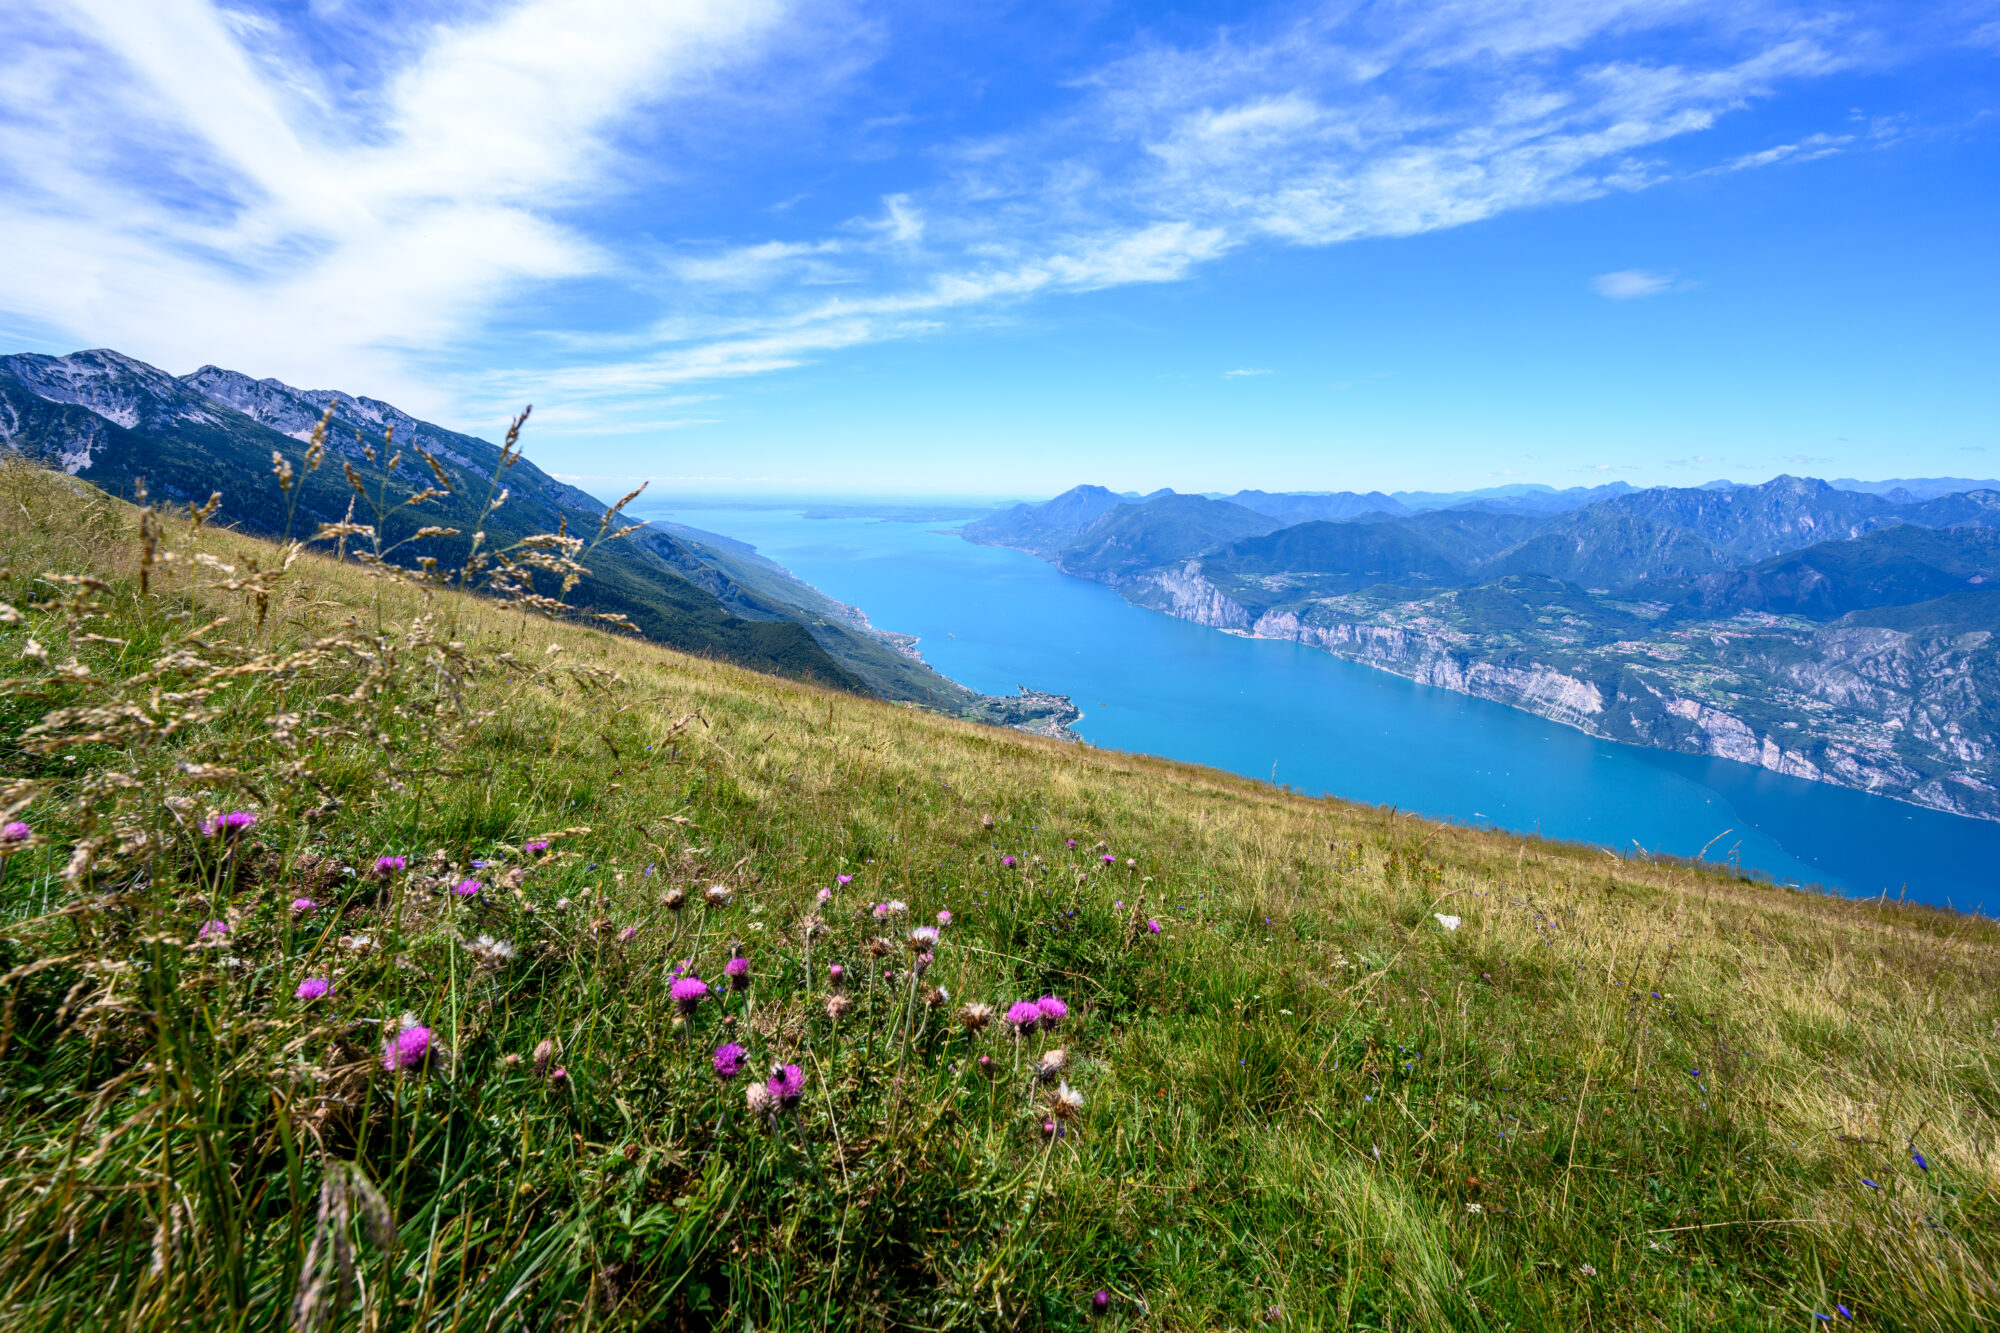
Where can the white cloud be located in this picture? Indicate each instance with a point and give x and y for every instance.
(188, 200)
(1808, 149)
(1629, 284)
(1239, 374)
(180, 173)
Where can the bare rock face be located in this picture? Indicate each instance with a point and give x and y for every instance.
(1897, 713)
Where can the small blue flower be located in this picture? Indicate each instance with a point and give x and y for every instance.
(1694, 1073)
(1918, 1158)
(1843, 1312)
(1869, 1183)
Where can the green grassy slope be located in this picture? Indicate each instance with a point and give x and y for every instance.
(1619, 1094)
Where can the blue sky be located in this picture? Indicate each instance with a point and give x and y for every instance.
(758, 248)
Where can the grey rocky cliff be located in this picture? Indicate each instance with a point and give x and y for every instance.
(1899, 714)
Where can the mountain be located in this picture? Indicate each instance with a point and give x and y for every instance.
(1909, 489)
(1136, 537)
(1305, 507)
(1519, 498)
(1755, 522)
(1899, 566)
(1828, 634)
(114, 421)
(1045, 527)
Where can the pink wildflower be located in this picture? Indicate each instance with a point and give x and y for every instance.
(313, 988)
(1024, 1016)
(738, 972)
(786, 1084)
(15, 832)
(1053, 1010)
(386, 866)
(300, 906)
(467, 888)
(232, 823)
(944, 917)
(688, 993)
(407, 1049)
(1153, 926)
(728, 1060)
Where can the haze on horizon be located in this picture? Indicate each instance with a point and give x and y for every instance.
(765, 249)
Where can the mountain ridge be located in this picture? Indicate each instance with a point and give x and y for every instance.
(114, 420)
(1832, 635)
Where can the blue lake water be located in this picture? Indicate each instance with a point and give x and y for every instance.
(996, 619)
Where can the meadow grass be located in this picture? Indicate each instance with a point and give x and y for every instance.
(1619, 1094)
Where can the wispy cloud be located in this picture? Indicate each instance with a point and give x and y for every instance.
(1808, 149)
(203, 183)
(192, 190)
(1239, 374)
(1630, 284)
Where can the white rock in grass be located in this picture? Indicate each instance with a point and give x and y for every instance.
(1448, 922)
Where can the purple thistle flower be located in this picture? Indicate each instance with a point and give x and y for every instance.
(467, 888)
(1153, 926)
(300, 906)
(16, 832)
(407, 1049)
(835, 973)
(1101, 1301)
(728, 1060)
(1007, 861)
(627, 935)
(1069, 842)
(386, 866)
(843, 879)
(944, 917)
(1023, 1016)
(313, 988)
(233, 822)
(537, 846)
(688, 993)
(558, 1075)
(214, 930)
(1053, 1010)
(786, 1084)
(738, 972)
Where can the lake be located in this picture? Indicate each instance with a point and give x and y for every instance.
(996, 619)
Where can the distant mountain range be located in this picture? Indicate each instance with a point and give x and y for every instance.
(1839, 632)
(114, 421)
